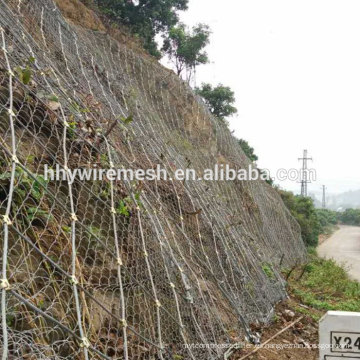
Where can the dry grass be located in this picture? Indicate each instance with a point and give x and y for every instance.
(78, 13)
(81, 15)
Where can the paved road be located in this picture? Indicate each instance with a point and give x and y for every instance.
(344, 247)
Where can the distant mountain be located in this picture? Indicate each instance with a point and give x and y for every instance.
(349, 199)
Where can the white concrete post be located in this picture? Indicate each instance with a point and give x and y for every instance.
(339, 335)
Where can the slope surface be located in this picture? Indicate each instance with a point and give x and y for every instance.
(123, 269)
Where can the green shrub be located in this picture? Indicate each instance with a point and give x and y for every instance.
(324, 285)
(268, 271)
(303, 210)
(327, 220)
(350, 217)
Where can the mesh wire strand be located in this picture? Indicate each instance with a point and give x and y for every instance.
(184, 265)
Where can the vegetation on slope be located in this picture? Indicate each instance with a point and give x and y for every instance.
(313, 222)
(219, 99)
(80, 14)
(186, 48)
(144, 18)
(324, 285)
(313, 289)
(303, 210)
(248, 150)
(327, 220)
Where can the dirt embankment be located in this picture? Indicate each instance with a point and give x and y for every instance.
(79, 14)
(315, 288)
(292, 335)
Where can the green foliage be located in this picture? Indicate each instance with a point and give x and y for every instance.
(74, 107)
(124, 206)
(313, 222)
(275, 318)
(309, 312)
(250, 153)
(25, 73)
(219, 99)
(145, 18)
(95, 231)
(303, 210)
(24, 185)
(66, 229)
(350, 217)
(71, 130)
(137, 199)
(270, 181)
(187, 48)
(35, 213)
(10, 319)
(53, 97)
(326, 286)
(104, 160)
(126, 203)
(268, 271)
(327, 219)
(248, 150)
(28, 195)
(126, 120)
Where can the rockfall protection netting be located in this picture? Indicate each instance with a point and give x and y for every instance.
(125, 270)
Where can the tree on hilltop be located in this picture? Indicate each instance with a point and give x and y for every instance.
(219, 99)
(145, 18)
(186, 48)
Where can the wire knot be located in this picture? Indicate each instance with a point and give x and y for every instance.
(73, 280)
(15, 159)
(85, 343)
(4, 284)
(7, 220)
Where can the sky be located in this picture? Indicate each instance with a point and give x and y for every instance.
(295, 70)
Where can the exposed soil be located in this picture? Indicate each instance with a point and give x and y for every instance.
(80, 14)
(298, 339)
(324, 237)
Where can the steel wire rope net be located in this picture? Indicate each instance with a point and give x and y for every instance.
(122, 269)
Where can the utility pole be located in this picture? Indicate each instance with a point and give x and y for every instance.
(324, 197)
(304, 174)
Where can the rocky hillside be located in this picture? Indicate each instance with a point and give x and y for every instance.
(122, 269)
